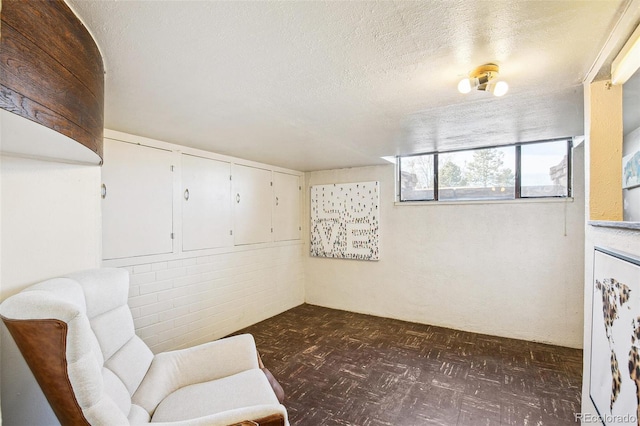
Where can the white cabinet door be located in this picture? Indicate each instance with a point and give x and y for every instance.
(252, 197)
(206, 203)
(286, 208)
(137, 205)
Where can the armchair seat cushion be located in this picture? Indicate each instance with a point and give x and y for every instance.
(244, 389)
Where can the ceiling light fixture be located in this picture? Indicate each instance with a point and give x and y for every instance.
(484, 78)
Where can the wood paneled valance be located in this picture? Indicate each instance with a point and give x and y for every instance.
(51, 71)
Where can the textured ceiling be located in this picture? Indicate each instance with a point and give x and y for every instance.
(314, 85)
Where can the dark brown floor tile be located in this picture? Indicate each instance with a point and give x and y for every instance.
(521, 413)
(559, 410)
(346, 369)
(479, 411)
(483, 390)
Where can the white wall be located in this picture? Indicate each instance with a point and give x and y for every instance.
(184, 302)
(50, 220)
(508, 269)
(50, 225)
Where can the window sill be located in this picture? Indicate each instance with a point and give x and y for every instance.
(635, 226)
(465, 202)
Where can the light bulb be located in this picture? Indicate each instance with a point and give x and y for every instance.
(465, 85)
(500, 88)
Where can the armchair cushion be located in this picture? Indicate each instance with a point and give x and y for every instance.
(174, 370)
(233, 392)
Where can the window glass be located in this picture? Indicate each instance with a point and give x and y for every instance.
(544, 169)
(479, 174)
(416, 178)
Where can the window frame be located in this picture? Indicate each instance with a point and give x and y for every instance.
(399, 177)
(517, 173)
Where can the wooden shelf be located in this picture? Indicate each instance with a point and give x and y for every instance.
(51, 73)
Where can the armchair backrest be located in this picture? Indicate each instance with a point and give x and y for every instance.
(77, 335)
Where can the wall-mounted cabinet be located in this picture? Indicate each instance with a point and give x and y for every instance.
(137, 205)
(287, 190)
(163, 201)
(252, 195)
(206, 207)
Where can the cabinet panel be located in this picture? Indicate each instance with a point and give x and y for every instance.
(286, 209)
(137, 205)
(206, 203)
(252, 199)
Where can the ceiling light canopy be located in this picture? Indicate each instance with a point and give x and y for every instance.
(485, 78)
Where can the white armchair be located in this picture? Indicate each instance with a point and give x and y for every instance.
(77, 335)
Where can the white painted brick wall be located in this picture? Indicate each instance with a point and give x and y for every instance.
(184, 302)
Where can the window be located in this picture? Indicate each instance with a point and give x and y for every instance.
(531, 170)
(417, 177)
(545, 169)
(480, 174)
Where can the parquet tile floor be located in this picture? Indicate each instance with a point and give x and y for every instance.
(343, 368)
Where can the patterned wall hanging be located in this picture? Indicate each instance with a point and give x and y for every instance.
(345, 220)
